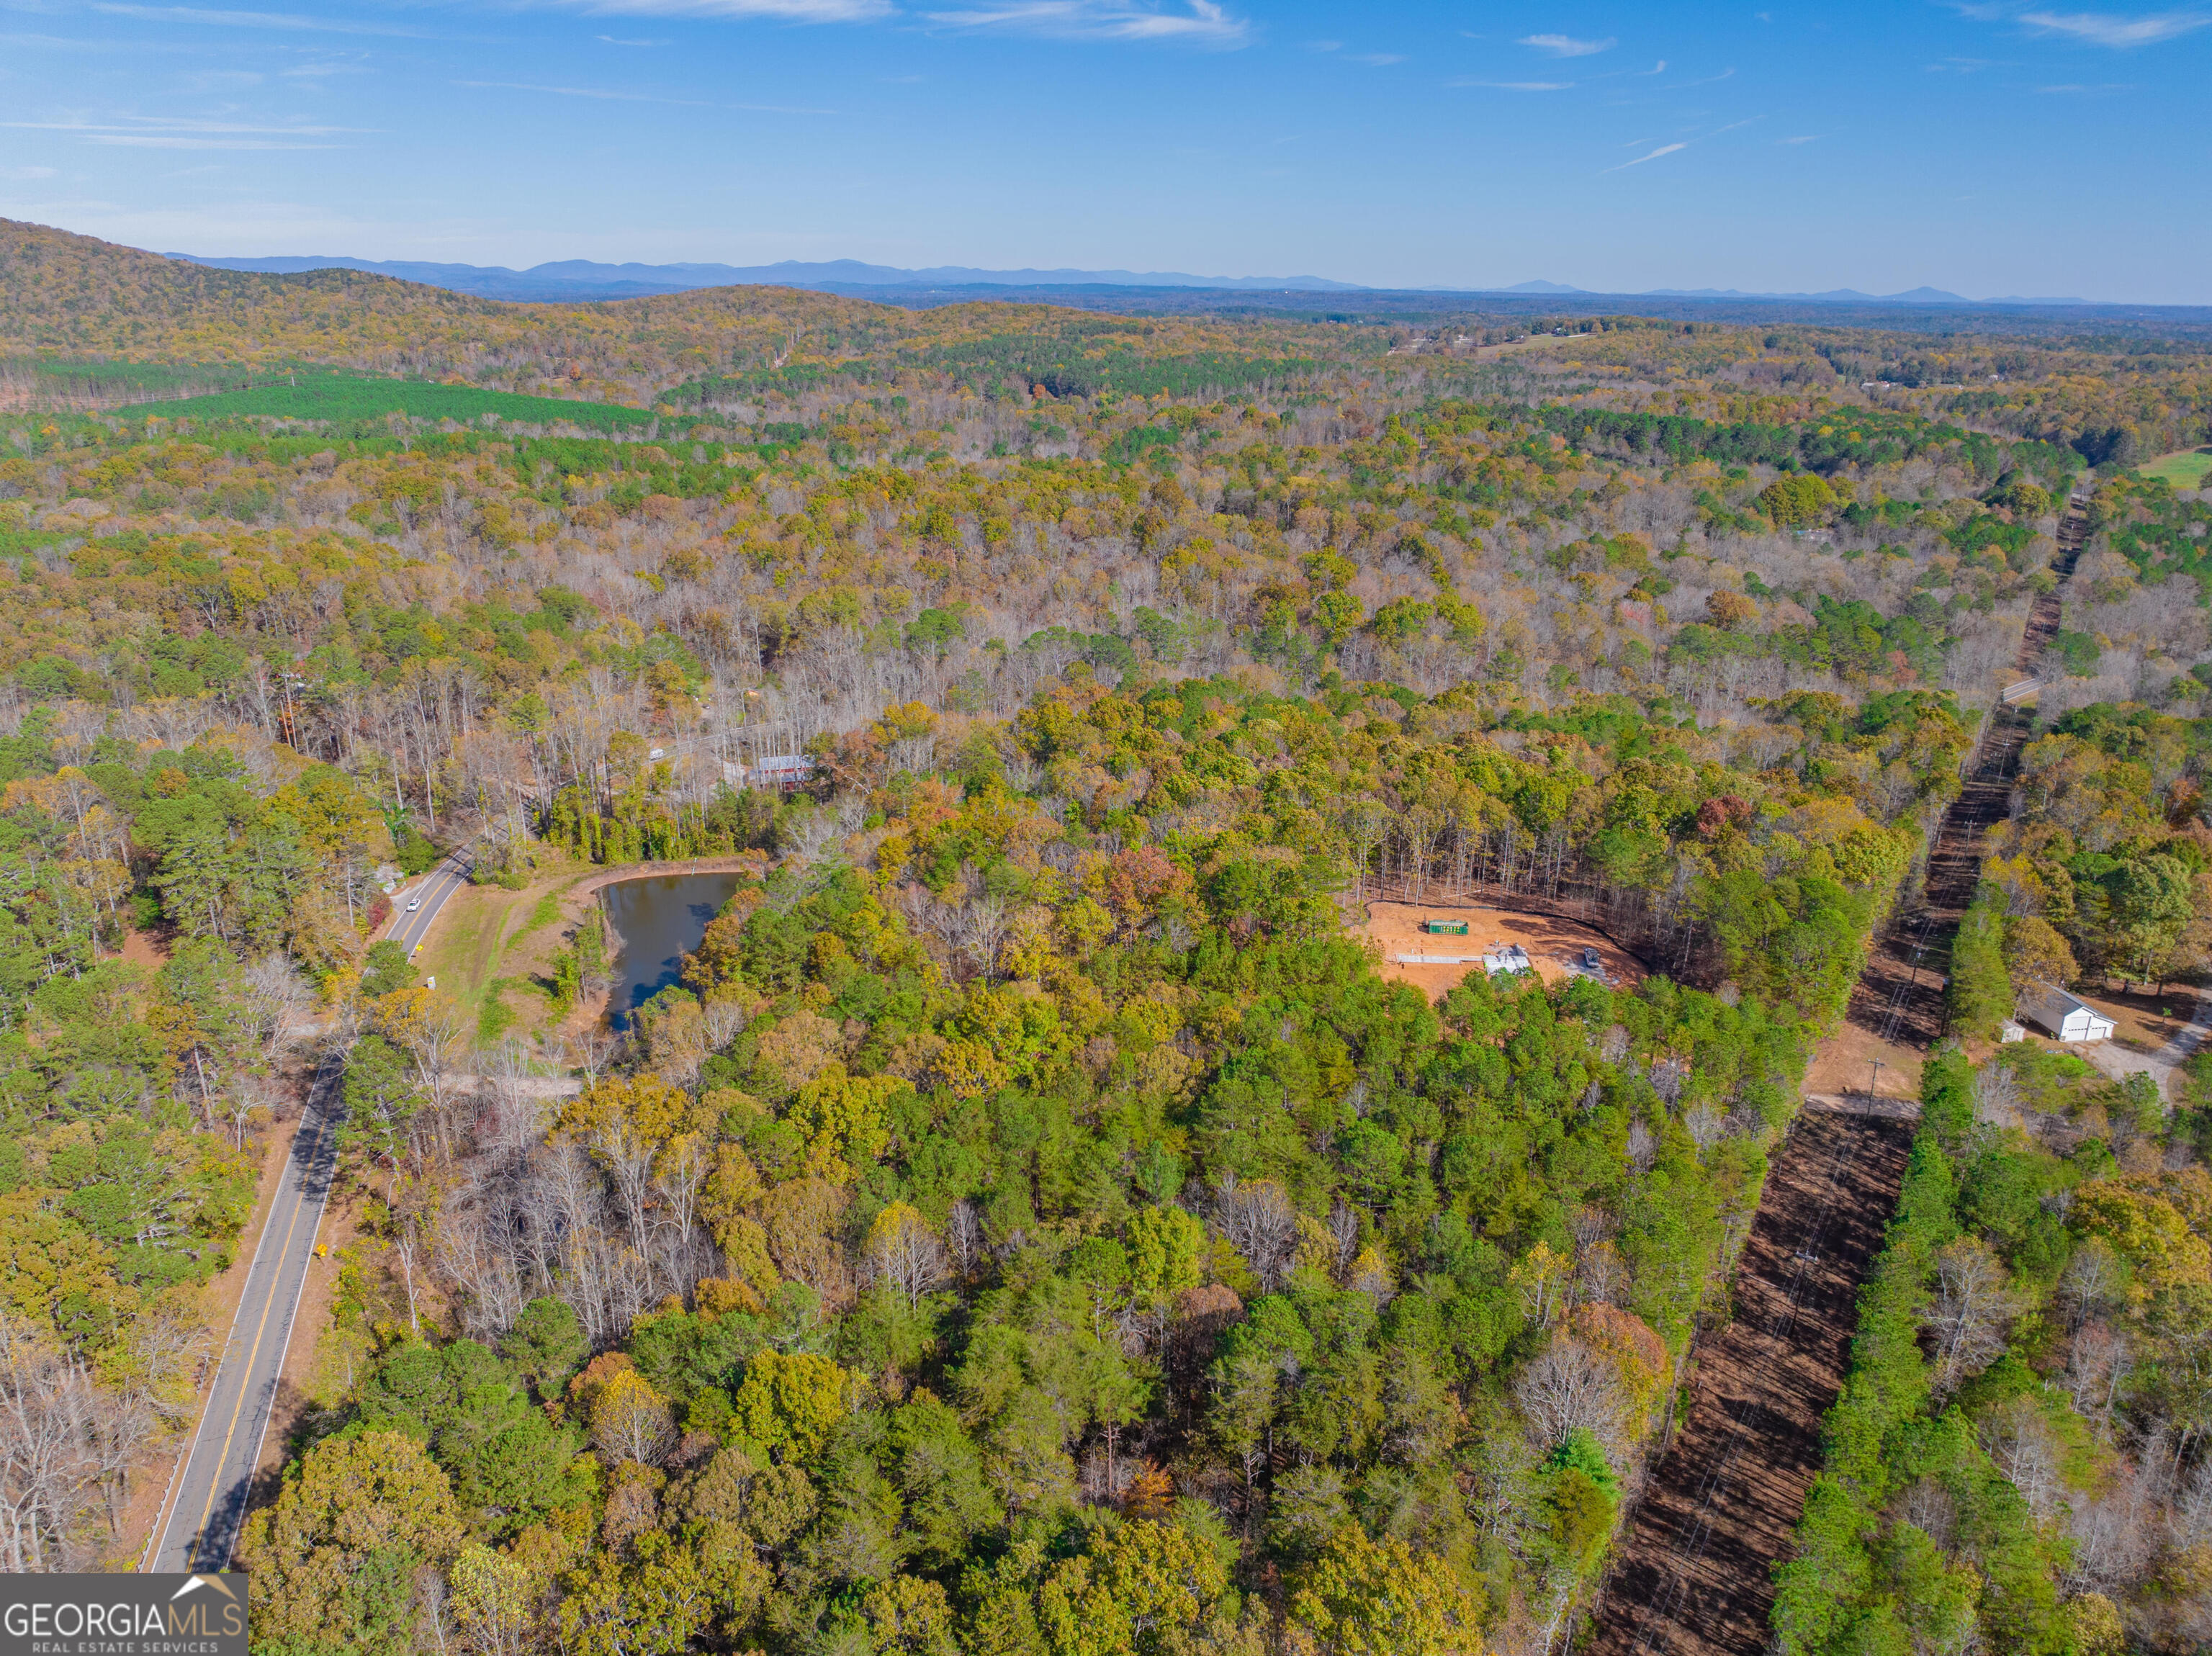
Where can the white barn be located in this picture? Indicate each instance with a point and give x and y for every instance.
(2064, 1016)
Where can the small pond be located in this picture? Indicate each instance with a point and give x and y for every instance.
(658, 920)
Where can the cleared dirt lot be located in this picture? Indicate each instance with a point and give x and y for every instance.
(1554, 944)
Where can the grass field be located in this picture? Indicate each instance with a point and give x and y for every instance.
(106, 384)
(2183, 469)
(493, 949)
(344, 396)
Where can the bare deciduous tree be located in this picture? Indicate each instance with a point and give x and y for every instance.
(1570, 1388)
(2115, 1538)
(1259, 1222)
(53, 1473)
(2017, 1437)
(983, 928)
(967, 1233)
(276, 994)
(1974, 1306)
(1706, 1127)
(2092, 1281)
(2098, 1363)
(903, 1254)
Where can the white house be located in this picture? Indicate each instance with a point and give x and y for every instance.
(2064, 1016)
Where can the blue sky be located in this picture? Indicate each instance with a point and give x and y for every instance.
(1991, 148)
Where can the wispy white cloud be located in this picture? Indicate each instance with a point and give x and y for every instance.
(231, 225)
(155, 132)
(1663, 149)
(61, 43)
(611, 40)
(24, 174)
(1566, 46)
(1810, 137)
(607, 94)
(1518, 86)
(1659, 68)
(186, 141)
(599, 93)
(783, 11)
(1379, 59)
(2078, 90)
(186, 125)
(1196, 23)
(265, 19)
(2105, 29)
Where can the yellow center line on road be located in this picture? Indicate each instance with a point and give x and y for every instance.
(254, 1355)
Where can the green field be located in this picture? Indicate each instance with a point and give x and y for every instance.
(2183, 469)
(106, 383)
(344, 396)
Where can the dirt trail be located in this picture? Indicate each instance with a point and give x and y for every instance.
(1694, 1575)
(1899, 997)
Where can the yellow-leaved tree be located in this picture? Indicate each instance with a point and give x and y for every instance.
(1363, 1597)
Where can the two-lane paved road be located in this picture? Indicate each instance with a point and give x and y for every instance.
(207, 1506)
(451, 873)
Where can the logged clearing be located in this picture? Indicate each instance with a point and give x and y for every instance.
(1696, 1574)
(1694, 1577)
(1554, 944)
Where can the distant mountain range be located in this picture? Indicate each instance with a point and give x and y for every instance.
(1851, 296)
(1833, 296)
(574, 279)
(578, 278)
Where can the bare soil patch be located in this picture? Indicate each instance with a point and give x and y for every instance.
(1846, 1063)
(144, 949)
(1554, 944)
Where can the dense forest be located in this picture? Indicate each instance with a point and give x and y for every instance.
(1035, 1222)
(2016, 1460)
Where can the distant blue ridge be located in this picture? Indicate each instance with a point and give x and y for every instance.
(578, 278)
(581, 279)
